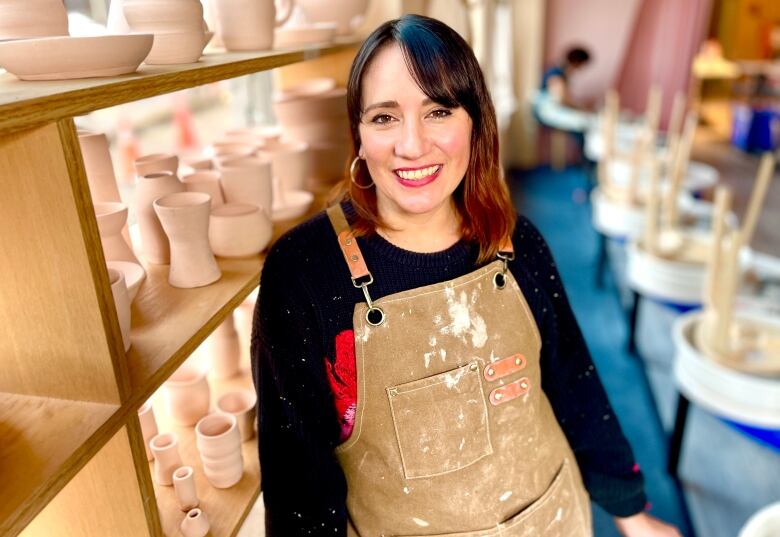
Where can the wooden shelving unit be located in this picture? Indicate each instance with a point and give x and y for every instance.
(72, 459)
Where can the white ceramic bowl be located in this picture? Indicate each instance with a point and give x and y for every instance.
(65, 57)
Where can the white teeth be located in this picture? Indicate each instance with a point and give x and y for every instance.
(416, 175)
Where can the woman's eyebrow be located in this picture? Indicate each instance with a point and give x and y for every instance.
(391, 104)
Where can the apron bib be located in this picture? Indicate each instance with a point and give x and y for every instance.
(453, 436)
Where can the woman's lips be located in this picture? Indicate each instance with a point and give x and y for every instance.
(418, 177)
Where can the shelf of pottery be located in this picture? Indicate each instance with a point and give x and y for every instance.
(126, 404)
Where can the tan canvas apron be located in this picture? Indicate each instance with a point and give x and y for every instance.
(453, 435)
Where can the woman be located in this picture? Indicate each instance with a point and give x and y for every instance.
(409, 385)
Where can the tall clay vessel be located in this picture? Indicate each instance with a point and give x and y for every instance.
(219, 443)
(148, 427)
(122, 303)
(184, 486)
(249, 24)
(154, 242)
(111, 218)
(32, 18)
(98, 165)
(166, 457)
(223, 350)
(185, 218)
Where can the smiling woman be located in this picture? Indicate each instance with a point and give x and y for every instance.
(415, 376)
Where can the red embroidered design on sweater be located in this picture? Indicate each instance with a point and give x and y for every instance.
(342, 377)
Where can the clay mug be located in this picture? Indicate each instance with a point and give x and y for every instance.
(219, 443)
(154, 243)
(249, 24)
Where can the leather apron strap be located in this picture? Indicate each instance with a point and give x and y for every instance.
(347, 243)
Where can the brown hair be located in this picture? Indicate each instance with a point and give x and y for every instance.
(444, 67)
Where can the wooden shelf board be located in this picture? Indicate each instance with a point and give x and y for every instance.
(226, 509)
(27, 103)
(43, 443)
(168, 324)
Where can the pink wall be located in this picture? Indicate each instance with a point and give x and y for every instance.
(603, 26)
(664, 41)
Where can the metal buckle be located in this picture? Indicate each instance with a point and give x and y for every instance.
(500, 278)
(371, 313)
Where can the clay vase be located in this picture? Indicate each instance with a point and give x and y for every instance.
(185, 218)
(154, 242)
(347, 14)
(239, 230)
(98, 165)
(184, 486)
(195, 524)
(290, 164)
(219, 444)
(249, 24)
(242, 405)
(32, 18)
(177, 26)
(248, 180)
(187, 395)
(155, 163)
(148, 427)
(224, 350)
(206, 182)
(111, 219)
(122, 303)
(167, 459)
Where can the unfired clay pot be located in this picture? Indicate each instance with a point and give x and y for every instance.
(187, 395)
(290, 163)
(122, 303)
(185, 218)
(154, 242)
(32, 18)
(184, 486)
(111, 219)
(207, 182)
(250, 24)
(195, 524)
(241, 404)
(98, 165)
(248, 180)
(171, 48)
(148, 427)
(177, 25)
(167, 459)
(347, 14)
(156, 163)
(134, 275)
(313, 118)
(239, 230)
(219, 444)
(224, 350)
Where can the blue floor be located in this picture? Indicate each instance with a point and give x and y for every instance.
(548, 199)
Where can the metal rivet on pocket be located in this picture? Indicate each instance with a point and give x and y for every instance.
(393, 392)
(524, 384)
(474, 367)
(491, 372)
(354, 258)
(348, 242)
(499, 396)
(518, 361)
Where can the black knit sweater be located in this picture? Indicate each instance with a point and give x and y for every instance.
(307, 299)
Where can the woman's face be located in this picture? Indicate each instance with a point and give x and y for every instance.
(416, 150)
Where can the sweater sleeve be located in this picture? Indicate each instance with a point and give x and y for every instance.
(304, 488)
(574, 389)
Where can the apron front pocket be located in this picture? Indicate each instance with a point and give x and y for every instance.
(558, 512)
(441, 422)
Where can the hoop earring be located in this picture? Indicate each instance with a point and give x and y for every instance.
(352, 172)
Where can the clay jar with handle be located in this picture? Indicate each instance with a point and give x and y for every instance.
(32, 18)
(239, 230)
(184, 486)
(154, 242)
(185, 218)
(219, 444)
(187, 395)
(122, 304)
(248, 180)
(241, 404)
(224, 350)
(195, 524)
(111, 219)
(148, 427)
(250, 24)
(167, 459)
(98, 165)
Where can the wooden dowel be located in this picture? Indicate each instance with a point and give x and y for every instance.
(711, 284)
(726, 291)
(760, 187)
(653, 108)
(679, 169)
(652, 209)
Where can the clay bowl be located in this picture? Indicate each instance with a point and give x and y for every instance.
(134, 275)
(292, 204)
(322, 32)
(65, 57)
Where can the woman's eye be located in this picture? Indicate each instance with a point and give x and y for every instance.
(440, 113)
(381, 119)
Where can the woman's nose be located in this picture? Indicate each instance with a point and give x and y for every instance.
(413, 142)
